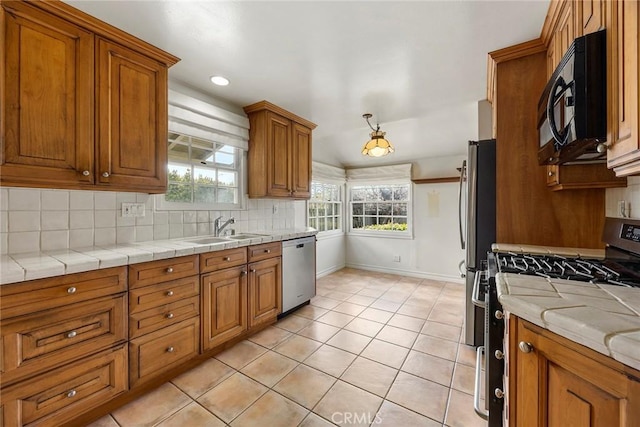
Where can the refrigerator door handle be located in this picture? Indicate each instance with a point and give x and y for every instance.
(463, 173)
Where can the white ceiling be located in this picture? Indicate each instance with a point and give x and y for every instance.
(419, 67)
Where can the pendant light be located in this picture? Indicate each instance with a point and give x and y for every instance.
(377, 146)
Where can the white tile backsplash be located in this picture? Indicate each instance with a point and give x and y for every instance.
(33, 220)
(22, 199)
(629, 194)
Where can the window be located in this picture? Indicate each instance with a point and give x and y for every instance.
(325, 207)
(202, 173)
(380, 208)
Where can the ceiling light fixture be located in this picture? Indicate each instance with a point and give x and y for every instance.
(219, 80)
(378, 146)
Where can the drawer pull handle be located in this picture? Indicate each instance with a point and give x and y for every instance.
(525, 347)
(169, 316)
(71, 334)
(226, 258)
(71, 290)
(105, 174)
(243, 273)
(267, 251)
(86, 173)
(71, 394)
(169, 293)
(169, 270)
(170, 350)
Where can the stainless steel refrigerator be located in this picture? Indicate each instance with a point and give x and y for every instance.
(477, 211)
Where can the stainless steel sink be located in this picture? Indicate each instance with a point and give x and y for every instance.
(243, 236)
(207, 240)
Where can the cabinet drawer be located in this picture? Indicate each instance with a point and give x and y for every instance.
(150, 273)
(57, 396)
(219, 260)
(142, 299)
(163, 350)
(159, 317)
(264, 251)
(36, 295)
(34, 343)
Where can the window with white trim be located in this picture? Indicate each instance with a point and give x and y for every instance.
(380, 208)
(203, 173)
(325, 207)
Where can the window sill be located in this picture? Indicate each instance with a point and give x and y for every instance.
(382, 234)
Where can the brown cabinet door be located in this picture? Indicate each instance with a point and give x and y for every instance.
(131, 119)
(224, 306)
(301, 162)
(560, 383)
(58, 396)
(265, 291)
(624, 72)
(278, 149)
(48, 101)
(589, 16)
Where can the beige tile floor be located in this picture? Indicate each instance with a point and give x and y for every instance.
(371, 349)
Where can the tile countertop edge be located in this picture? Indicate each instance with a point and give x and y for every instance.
(15, 268)
(559, 318)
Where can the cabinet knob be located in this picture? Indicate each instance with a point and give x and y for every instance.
(169, 270)
(499, 354)
(498, 393)
(71, 290)
(71, 394)
(86, 173)
(105, 174)
(243, 273)
(170, 350)
(525, 347)
(226, 258)
(602, 147)
(253, 270)
(550, 173)
(267, 251)
(71, 334)
(169, 293)
(169, 316)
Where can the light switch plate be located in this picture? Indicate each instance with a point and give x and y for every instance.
(132, 210)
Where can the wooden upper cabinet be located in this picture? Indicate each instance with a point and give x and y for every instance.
(623, 70)
(84, 104)
(132, 111)
(48, 85)
(279, 159)
(589, 16)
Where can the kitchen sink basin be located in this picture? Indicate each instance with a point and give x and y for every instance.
(243, 236)
(208, 240)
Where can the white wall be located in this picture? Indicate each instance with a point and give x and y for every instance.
(434, 252)
(330, 254)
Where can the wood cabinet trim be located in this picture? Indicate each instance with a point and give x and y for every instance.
(266, 105)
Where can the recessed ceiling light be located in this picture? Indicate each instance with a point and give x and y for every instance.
(219, 80)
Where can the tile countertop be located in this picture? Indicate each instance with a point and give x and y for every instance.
(28, 266)
(605, 318)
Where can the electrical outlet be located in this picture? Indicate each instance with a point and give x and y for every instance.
(396, 258)
(132, 210)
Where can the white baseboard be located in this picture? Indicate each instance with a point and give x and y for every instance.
(329, 270)
(410, 273)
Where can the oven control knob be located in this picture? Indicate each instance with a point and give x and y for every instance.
(498, 393)
(499, 354)
(525, 347)
(499, 315)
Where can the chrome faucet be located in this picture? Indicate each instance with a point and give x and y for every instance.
(217, 228)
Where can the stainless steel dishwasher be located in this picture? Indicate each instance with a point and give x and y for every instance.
(298, 272)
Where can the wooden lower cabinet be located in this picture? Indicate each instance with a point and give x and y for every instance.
(163, 350)
(224, 306)
(554, 382)
(265, 291)
(54, 398)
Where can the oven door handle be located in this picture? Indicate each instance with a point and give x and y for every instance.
(475, 294)
(483, 413)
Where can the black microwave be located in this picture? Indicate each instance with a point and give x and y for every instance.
(572, 111)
